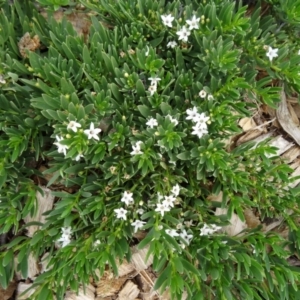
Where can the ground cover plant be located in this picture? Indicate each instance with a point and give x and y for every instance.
(133, 123)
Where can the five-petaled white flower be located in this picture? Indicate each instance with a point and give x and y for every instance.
(193, 23)
(121, 213)
(172, 232)
(202, 94)
(127, 198)
(187, 237)
(167, 20)
(183, 34)
(136, 149)
(65, 238)
(73, 126)
(209, 229)
(162, 208)
(272, 53)
(172, 44)
(154, 80)
(199, 130)
(152, 89)
(61, 148)
(92, 132)
(169, 201)
(175, 190)
(152, 123)
(201, 119)
(192, 114)
(137, 225)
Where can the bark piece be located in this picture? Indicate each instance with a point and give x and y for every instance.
(247, 123)
(129, 292)
(44, 203)
(293, 114)
(249, 136)
(285, 119)
(139, 258)
(252, 220)
(7, 294)
(291, 154)
(22, 287)
(282, 144)
(87, 294)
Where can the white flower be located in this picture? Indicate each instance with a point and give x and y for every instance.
(92, 132)
(121, 213)
(201, 119)
(173, 120)
(2, 80)
(154, 80)
(175, 190)
(66, 230)
(173, 44)
(159, 196)
(136, 149)
(172, 232)
(209, 229)
(151, 123)
(167, 20)
(65, 240)
(192, 114)
(183, 34)
(210, 97)
(140, 211)
(97, 243)
(127, 198)
(187, 237)
(77, 158)
(193, 23)
(61, 148)
(152, 89)
(162, 208)
(169, 201)
(137, 225)
(199, 130)
(73, 126)
(202, 94)
(272, 53)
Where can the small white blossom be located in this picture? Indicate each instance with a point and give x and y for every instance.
(127, 198)
(167, 20)
(147, 51)
(172, 232)
(73, 126)
(192, 114)
(161, 208)
(201, 119)
(159, 196)
(66, 230)
(187, 237)
(183, 34)
(2, 80)
(199, 130)
(65, 238)
(193, 23)
(92, 132)
(173, 120)
(97, 243)
(61, 148)
(152, 89)
(175, 190)
(77, 158)
(137, 225)
(172, 44)
(209, 229)
(121, 213)
(136, 149)
(210, 97)
(154, 80)
(202, 94)
(140, 211)
(169, 201)
(151, 123)
(272, 53)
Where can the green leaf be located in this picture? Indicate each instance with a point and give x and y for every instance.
(184, 155)
(144, 110)
(165, 275)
